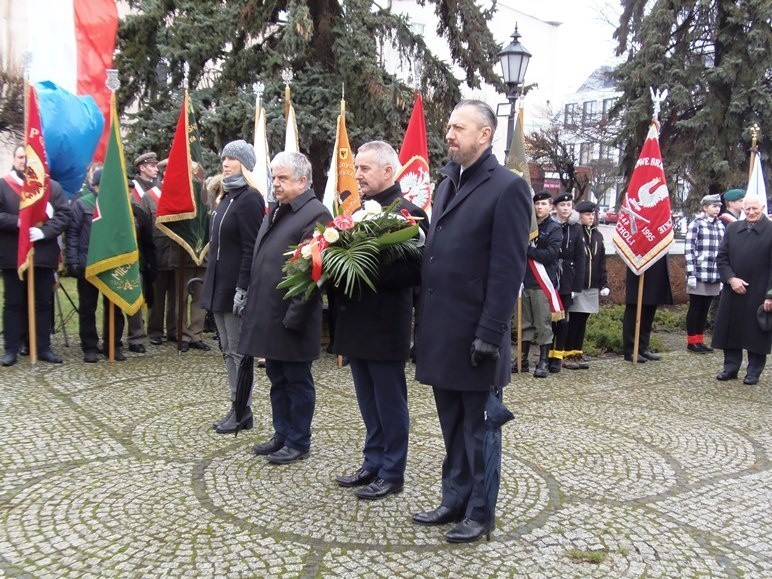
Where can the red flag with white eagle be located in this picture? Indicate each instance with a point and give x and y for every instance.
(36, 190)
(644, 231)
(414, 158)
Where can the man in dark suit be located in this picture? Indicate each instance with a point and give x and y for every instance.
(286, 333)
(474, 262)
(373, 331)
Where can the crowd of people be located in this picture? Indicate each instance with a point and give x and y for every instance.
(475, 256)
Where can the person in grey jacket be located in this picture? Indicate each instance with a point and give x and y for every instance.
(235, 221)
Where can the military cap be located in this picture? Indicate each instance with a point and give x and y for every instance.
(585, 207)
(734, 195)
(542, 195)
(563, 197)
(145, 157)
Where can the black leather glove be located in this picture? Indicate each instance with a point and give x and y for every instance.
(75, 270)
(482, 350)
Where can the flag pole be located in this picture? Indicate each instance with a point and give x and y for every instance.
(343, 115)
(754, 143)
(180, 277)
(112, 83)
(638, 309)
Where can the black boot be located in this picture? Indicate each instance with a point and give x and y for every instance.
(225, 418)
(555, 364)
(542, 370)
(523, 359)
(233, 424)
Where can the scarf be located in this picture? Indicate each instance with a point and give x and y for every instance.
(232, 182)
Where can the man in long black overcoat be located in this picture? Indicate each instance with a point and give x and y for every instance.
(286, 333)
(745, 266)
(474, 262)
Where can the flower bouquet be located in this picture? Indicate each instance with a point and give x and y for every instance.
(347, 251)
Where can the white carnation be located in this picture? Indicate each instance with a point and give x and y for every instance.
(372, 207)
(331, 235)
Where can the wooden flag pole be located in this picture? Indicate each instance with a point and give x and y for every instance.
(111, 332)
(754, 142)
(31, 317)
(638, 318)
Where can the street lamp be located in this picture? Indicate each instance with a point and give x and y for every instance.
(514, 60)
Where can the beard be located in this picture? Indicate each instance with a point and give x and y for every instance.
(464, 157)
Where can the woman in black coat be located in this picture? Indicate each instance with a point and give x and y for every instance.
(235, 221)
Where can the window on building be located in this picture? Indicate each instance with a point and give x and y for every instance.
(589, 110)
(569, 117)
(607, 105)
(585, 153)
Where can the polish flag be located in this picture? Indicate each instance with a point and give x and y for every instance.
(72, 44)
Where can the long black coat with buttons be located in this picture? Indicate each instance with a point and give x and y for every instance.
(272, 327)
(233, 229)
(474, 263)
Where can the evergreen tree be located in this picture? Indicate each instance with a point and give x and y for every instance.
(327, 44)
(715, 59)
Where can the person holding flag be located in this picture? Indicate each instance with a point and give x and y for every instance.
(43, 237)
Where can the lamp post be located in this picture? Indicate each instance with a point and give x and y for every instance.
(514, 60)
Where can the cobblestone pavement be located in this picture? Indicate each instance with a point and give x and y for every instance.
(114, 470)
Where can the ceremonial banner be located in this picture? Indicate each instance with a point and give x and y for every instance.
(182, 213)
(342, 192)
(36, 191)
(644, 231)
(112, 264)
(756, 185)
(517, 162)
(414, 157)
(261, 175)
(73, 46)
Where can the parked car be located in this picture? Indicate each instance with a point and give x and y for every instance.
(611, 217)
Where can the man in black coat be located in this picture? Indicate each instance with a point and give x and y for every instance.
(473, 265)
(46, 261)
(570, 272)
(656, 291)
(373, 331)
(287, 333)
(745, 266)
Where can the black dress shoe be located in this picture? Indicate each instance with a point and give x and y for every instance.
(641, 359)
(468, 531)
(268, 447)
(24, 350)
(9, 359)
(439, 516)
(287, 455)
(359, 478)
(137, 348)
(379, 489)
(171, 338)
(750, 380)
(50, 357)
(651, 356)
(90, 357)
(119, 356)
(726, 375)
(185, 346)
(156, 341)
(200, 345)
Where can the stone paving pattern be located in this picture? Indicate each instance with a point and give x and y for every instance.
(114, 470)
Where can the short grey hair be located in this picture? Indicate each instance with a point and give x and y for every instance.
(298, 163)
(485, 113)
(384, 154)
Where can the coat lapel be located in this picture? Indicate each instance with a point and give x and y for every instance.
(478, 176)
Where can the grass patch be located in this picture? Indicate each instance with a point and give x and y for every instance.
(581, 556)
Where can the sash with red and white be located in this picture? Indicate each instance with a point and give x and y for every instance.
(545, 283)
(14, 182)
(138, 192)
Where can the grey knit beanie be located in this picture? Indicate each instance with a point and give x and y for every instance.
(242, 152)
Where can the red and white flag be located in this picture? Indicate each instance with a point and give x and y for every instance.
(644, 231)
(414, 157)
(36, 190)
(72, 45)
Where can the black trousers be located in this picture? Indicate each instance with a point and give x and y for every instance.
(697, 314)
(293, 399)
(381, 390)
(577, 328)
(462, 420)
(15, 309)
(628, 328)
(733, 359)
